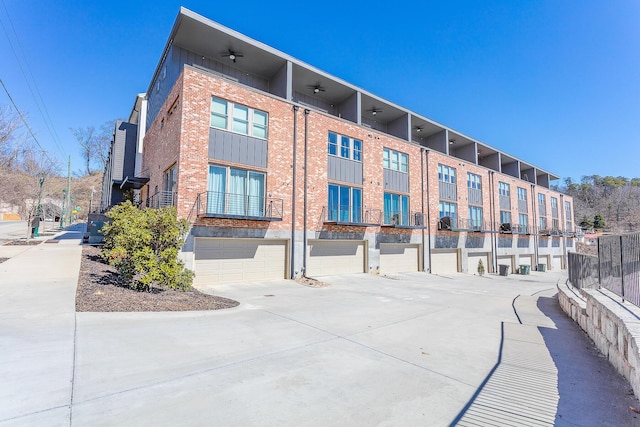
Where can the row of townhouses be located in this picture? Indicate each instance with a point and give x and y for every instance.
(284, 170)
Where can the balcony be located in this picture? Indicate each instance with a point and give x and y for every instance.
(404, 219)
(346, 215)
(212, 204)
(521, 229)
(463, 224)
(161, 199)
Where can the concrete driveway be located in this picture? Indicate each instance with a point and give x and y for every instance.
(415, 349)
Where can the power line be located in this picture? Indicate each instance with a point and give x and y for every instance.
(25, 122)
(45, 115)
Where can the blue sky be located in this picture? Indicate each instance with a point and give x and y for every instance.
(555, 83)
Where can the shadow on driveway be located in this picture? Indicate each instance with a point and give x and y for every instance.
(591, 391)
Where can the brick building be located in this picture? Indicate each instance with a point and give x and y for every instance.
(286, 170)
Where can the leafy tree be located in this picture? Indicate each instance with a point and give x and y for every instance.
(586, 223)
(598, 222)
(143, 245)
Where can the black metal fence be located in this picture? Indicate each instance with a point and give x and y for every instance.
(583, 270)
(616, 268)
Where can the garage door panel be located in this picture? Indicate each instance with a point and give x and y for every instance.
(556, 263)
(474, 259)
(399, 258)
(444, 262)
(220, 260)
(524, 260)
(507, 260)
(335, 257)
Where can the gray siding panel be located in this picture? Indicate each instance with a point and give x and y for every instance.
(344, 170)
(475, 196)
(241, 149)
(396, 181)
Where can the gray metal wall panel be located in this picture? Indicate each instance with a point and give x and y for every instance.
(447, 191)
(399, 127)
(512, 169)
(236, 148)
(278, 82)
(475, 196)
(349, 108)
(396, 181)
(437, 142)
(344, 170)
(505, 203)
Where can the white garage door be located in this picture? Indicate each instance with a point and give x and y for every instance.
(239, 260)
(325, 257)
(398, 258)
(525, 259)
(506, 260)
(544, 259)
(444, 262)
(556, 262)
(474, 259)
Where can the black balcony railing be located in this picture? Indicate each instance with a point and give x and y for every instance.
(463, 224)
(404, 219)
(213, 204)
(350, 215)
(161, 199)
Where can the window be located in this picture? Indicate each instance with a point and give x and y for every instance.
(244, 120)
(523, 221)
(522, 194)
(333, 144)
(446, 174)
(556, 224)
(475, 217)
(542, 200)
(503, 189)
(345, 204)
(448, 209)
(542, 223)
(169, 179)
(349, 148)
(567, 210)
(395, 160)
(396, 209)
(505, 217)
(474, 181)
(554, 203)
(235, 191)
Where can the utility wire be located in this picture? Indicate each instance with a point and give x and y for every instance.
(45, 115)
(25, 121)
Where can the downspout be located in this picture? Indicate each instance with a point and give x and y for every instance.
(565, 258)
(426, 155)
(494, 229)
(293, 196)
(535, 227)
(304, 221)
(422, 203)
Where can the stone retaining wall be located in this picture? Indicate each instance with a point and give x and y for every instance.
(612, 325)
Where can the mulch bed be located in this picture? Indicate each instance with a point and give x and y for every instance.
(101, 289)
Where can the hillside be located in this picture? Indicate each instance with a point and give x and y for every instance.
(617, 199)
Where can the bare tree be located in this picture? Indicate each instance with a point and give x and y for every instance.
(86, 140)
(94, 145)
(9, 133)
(103, 142)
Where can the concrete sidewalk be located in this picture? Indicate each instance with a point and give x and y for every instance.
(414, 349)
(37, 324)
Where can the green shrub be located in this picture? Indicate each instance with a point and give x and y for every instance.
(143, 245)
(480, 268)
